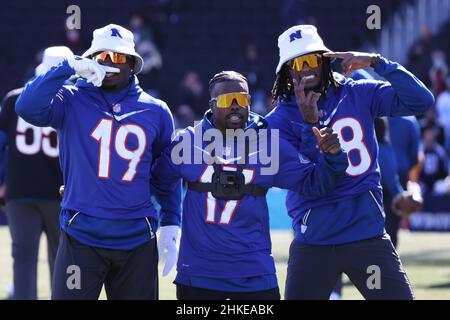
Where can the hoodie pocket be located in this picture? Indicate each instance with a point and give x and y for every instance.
(380, 207)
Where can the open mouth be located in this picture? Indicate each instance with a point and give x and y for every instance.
(310, 77)
(110, 74)
(235, 117)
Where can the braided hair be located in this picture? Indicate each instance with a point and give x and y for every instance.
(283, 87)
(224, 76)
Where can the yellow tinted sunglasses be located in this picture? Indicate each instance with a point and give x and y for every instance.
(226, 100)
(312, 60)
(114, 56)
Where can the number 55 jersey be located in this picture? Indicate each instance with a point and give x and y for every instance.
(354, 210)
(29, 156)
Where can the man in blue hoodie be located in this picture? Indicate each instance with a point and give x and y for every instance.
(225, 250)
(110, 132)
(344, 230)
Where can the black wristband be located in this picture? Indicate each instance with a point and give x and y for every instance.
(375, 61)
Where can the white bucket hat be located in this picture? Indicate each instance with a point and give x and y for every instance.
(297, 41)
(117, 39)
(51, 57)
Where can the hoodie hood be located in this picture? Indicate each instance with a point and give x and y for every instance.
(131, 89)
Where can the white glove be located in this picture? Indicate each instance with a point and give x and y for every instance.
(89, 69)
(168, 237)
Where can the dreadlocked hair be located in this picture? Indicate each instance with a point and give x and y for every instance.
(283, 87)
(224, 76)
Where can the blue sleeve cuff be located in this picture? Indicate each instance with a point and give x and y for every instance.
(171, 220)
(65, 67)
(383, 65)
(307, 127)
(338, 161)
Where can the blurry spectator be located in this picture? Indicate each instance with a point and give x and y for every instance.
(404, 134)
(419, 61)
(425, 36)
(192, 94)
(405, 138)
(171, 10)
(147, 48)
(438, 72)
(443, 113)
(433, 159)
(293, 12)
(73, 39)
(184, 116)
(442, 187)
(250, 66)
(30, 170)
(145, 44)
(429, 120)
(396, 201)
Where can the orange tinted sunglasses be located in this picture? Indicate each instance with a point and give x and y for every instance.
(114, 56)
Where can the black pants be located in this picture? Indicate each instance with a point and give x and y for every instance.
(393, 220)
(192, 293)
(373, 265)
(27, 220)
(81, 271)
(393, 226)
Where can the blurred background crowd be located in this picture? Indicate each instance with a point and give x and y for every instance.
(185, 42)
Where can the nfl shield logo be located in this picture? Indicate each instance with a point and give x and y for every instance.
(116, 108)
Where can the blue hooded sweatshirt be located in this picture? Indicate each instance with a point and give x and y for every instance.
(225, 245)
(354, 210)
(108, 142)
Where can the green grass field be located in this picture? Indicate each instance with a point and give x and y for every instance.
(426, 257)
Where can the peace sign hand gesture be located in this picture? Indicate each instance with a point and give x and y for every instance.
(307, 103)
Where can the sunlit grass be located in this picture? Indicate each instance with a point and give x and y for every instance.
(426, 257)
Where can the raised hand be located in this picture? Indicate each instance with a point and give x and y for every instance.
(353, 60)
(91, 70)
(307, 103)
(327, 140)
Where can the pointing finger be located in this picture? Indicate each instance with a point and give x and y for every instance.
(110, 69)
(339, 55)
(317, 134)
